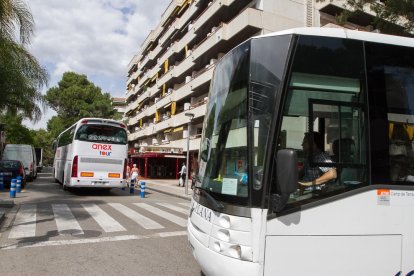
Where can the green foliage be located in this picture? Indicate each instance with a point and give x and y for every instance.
(16, 133)
(389, 14)
(44, 139)
(75, 97)
(56, 125)
(21, 76)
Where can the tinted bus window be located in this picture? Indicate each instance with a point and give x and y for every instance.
(390, 71)
(102, 133)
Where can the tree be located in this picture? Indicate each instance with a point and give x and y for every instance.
(16, 133)
(76, 97)
(44, 139)
(21, 76)
(396, 12)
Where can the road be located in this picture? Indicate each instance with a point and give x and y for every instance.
(88, 232)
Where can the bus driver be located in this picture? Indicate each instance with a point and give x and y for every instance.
(314, 176)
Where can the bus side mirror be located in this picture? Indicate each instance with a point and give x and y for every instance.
(54, 145)
(287, 178)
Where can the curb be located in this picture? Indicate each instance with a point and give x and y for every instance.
(169, 193)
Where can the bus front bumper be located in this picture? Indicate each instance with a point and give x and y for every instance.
(213, 263)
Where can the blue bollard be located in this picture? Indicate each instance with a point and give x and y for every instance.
(1, 181)
(142, 189)
(131, 187)
(13, 188)
(19, 184)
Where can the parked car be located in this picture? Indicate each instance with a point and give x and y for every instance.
(12, 169)
(24, 153)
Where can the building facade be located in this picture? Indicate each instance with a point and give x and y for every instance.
(169, 77)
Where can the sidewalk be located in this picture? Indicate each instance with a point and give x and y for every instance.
(169, 187)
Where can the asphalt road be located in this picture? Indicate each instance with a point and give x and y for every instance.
(89, 232)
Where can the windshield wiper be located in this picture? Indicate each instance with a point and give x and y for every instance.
(217, 206)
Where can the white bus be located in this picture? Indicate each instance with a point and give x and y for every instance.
(92, 153)
(356, 90)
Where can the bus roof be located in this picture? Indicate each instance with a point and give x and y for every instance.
(346, 33)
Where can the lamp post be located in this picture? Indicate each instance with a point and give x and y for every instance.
(190, 116)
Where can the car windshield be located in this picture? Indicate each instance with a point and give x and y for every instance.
(17, 154)
(102, 133)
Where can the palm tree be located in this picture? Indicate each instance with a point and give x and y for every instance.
(21, 76)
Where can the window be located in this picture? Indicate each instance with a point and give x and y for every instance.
(324, 117)
(390, 71)
(102, 133)
(66, 137)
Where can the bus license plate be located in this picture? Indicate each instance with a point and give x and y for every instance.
(99, 182)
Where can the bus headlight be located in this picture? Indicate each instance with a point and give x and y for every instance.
(217, 246)
(223, 235)
(235, 251)
(224, 222)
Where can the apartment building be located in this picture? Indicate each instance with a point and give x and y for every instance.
(168, 79)
(119, 105)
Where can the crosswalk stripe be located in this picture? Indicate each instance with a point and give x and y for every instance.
(107, 223)
(136, 217)
(24, 225)
(186, 204)
(65, 221)
(174, 208)
(173, 218)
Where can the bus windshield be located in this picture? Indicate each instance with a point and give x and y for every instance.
(223, 155)
(101, 133)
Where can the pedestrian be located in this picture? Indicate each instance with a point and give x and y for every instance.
(134, 174)
(128, 172)
(183, 174)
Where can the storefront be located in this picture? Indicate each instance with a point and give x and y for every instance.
(161, 163)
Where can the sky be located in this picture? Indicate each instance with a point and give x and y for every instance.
(97, 38)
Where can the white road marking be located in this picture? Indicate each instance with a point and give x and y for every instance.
(138, 218)
(173, 218)
(186, 204)
(169, 234)
(107, 223)
(24, 225)
(65, 221)
(174, 208)
(72, 242)
(92, 240)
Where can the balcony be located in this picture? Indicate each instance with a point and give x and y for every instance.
(246, 24)
(183, 67)
(181, 119)
(182, 143)
(143, 96)
(210, 11)
(163, 102)
(163, 125)
(166, 77)
(203, 77)
(131, 106)
(172, 29)
(182, 92)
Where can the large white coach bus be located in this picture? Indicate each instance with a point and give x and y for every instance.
(249, 215)
(92, 153)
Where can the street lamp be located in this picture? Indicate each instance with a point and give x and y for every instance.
(190, 116)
